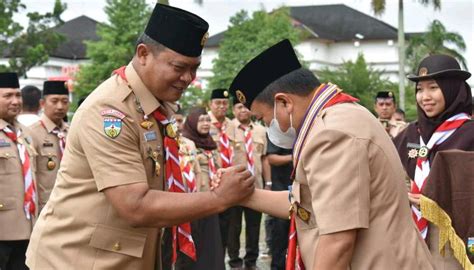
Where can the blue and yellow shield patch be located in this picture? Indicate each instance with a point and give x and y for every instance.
(112, 127)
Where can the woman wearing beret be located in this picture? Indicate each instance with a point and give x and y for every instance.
(444, 106)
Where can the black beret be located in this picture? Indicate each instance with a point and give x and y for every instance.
(178, 30)
(439, 66)
(55, 88)
(270, 65)
(9, 80)
(219, 93)
(385, 94)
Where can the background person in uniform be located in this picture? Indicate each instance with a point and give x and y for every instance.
(221, 130)
(385, 107)
(49, 137)
(250, 145)
(17, 188)
(281, 165)
(180, 117)
(444, 105)
(202, 152)
(348, 194)
(108, 204)
(31, 96)
(399, 115)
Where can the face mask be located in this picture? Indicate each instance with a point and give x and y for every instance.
(277, 136)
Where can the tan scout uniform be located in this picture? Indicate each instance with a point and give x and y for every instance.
(79, 228)
(393, 127)
(13, 223)
(188, 149)
(259, 139)
(47, 146)
(203, 162)
(228, 126)
(350, 177)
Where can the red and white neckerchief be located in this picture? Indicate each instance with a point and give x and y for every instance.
(422, 169)
(61, 138)
(211, 165)
(326, 95)
(248, 147)
(181, 233)
(187, 170)
(29, 201)
(224, 146)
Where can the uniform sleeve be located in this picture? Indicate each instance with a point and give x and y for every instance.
(113, 161)
(337, 168)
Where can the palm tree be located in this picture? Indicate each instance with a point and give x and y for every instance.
(378, 7)
(434, 41)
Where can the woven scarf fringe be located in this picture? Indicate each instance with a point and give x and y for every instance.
(431, 211)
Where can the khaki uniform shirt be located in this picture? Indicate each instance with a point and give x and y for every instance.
(350, 177)
(259, 140)
(203, 161)
(229, 130)
(13, 222)
(188, 150)
(79, 228)
(47, 146)
(393, 127)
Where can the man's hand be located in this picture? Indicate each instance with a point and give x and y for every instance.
(414, 199)
(233, 184)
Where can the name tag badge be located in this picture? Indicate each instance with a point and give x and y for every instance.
(47, 144)
(150, 136)
(4, 143)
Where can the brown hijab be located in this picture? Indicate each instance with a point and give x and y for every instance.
(203, 141)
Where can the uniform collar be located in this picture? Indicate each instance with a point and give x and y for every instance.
(214, 119)
(50, 125)
(148, 101)
(237, 123)
(4, 124)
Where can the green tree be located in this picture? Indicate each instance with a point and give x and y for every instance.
(246, 37)
(358, 79)
(33, 47)
(8, 27)
(378, 7)
(437, 40)
(126, 21)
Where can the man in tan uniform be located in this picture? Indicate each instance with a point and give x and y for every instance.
(349, 203)
(249, 142)
(17, 193)
(108, 205)
(221, 131)
(49, 136)
(385, 107)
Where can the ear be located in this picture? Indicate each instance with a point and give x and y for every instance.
(286, 100)
(142, 53)
(42, 101)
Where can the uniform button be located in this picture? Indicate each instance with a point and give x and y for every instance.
(116, 246)
(1, 206)
(7, 155)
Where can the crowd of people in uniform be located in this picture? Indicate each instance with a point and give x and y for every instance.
(136, 183)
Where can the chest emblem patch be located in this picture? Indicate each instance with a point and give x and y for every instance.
(112, 127)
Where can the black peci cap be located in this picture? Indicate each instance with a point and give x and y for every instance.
(439, 66)
(55, 88)
(385, 95)
(219, 93)
(9, 80)
(270, 65)
(178, 30)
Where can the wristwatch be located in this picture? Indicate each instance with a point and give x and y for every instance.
(268, 183)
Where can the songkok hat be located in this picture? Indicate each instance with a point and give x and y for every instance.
(55, 88)
(9, 80)
(219, 93)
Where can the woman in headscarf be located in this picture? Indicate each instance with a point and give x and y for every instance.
(444, 106)
(200, 148)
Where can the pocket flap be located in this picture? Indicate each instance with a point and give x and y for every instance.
(7, 204)
(48, 152)
(118, 240)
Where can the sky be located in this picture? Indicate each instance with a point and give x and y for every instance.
(455, 15)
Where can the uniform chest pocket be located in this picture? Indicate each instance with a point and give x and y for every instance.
(9, 162)
(305, 216)
(47, 159)
(118, 241)
(152, 154)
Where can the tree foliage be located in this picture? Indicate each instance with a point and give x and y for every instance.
(248, 36)
(32, 47)
(437, 40)
(116, 46)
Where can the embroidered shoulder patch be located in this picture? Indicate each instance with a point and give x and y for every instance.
(112, 127)
(112, 112)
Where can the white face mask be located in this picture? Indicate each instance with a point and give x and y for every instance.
(277, 136)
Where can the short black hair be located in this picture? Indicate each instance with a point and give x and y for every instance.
(31, 96)
(299, 82)
(400, 111)
(155, 45)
